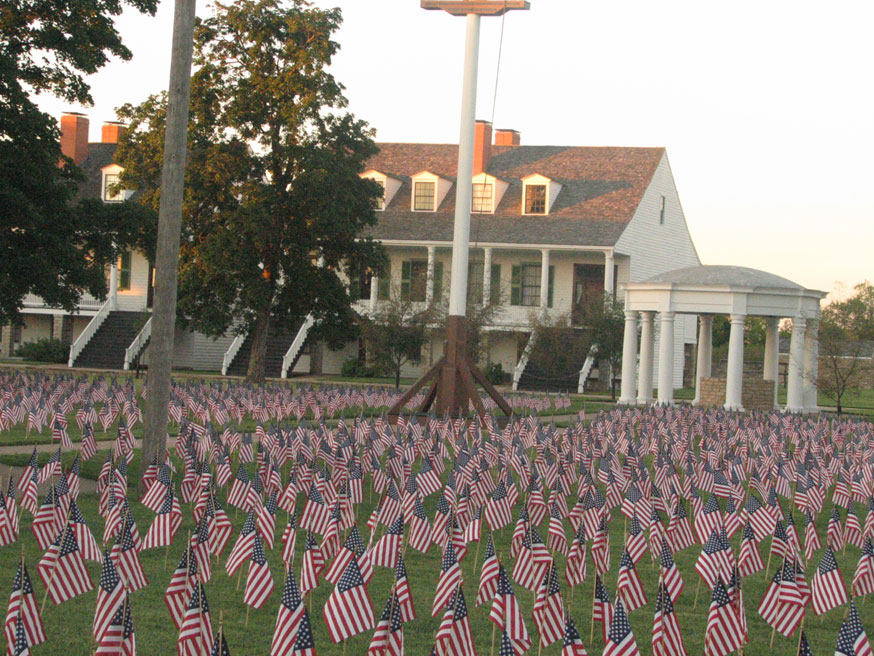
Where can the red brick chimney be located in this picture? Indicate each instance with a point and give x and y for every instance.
(482, 146)
(507, 138)
(74, 136)
(112, 131)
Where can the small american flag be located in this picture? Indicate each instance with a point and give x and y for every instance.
(573, 643)
(450, 577)
(453, 635)
(724, 633)
(827, 585)
(620, 639)
(488, 579)
(348, 610)
(628, 583)
(304, 645)
(852, 640)
(69, 577)
(548, 609)
(667, 639)
(23, 607)
(291, 609)
(110, 597)
(507, 615)
(259, 583)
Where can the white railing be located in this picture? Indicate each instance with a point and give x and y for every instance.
(296, 345)
(89, 332)
(139, 343)
(85, 303)
(586, 370)
(231, 353)
(523, 362)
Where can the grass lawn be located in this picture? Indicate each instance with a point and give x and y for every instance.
(69, 626)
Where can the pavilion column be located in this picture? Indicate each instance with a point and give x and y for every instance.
(647, 339)
(629, 359)
(374, 291)
(772, 354)
(487, 275)
(735, 371)
(608, 272)
(811, 356)
(705, 353)
(113, 286)
(544, 281)
(666, 358)
(795, 387)
(429, 284)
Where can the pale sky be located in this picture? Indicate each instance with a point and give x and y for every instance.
(766, 108)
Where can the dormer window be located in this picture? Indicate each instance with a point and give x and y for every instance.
(424, 195)
(110, 193)
(389, 186)
(539, 194)
(428, 192)
(482, 200)
(535, 199)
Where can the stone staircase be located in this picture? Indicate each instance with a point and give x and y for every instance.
(279, 339)
(105, 350)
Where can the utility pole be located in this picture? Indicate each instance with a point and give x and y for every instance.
(452, 376)
(169, 229)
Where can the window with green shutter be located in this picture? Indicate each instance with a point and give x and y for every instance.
(495, 292)
(383, 292)
(525, 285)
(551, 285)
(438, 281)
(516, 285)
(124, 267)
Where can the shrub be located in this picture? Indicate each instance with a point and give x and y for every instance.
(494, 373)
(355, 369)
(44, 350)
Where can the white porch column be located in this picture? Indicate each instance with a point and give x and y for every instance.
(772, 354)
(113, 286)
(811, 355)
(429, 284)
(487, 275)
(544, 281)
(734, 372)
(608, 272)
(374, 291)
(705, 353)
(666, 358)
(647, 339)
(794, 388)
(629, 359)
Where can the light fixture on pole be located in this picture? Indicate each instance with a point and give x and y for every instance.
(452, 376)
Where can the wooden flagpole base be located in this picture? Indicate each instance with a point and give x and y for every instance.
(452, 387)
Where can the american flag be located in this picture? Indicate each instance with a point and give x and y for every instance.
(669, 572)
(450, 577)
(573, 643)
(620, 639)
(402, 590)
(783, 605)
(242, 550)
(827, 585)
(166, 523)
(119, 638)
(602, 609)
(291, 609)
(453, 635)
(419, 537)
(497, 511)
(48, 521)
(348, 610)
(196, 636)
(259, 583)
(385, 553)
(628, 583)
(388, 638)
(724, 633)
(708, 563)
(667, 639)
(750, 560)
(507, 615)
(68, 576)
(313, 564)
(556, 538)
(304, 645)
(20, 646)
(852, 640)
(220, 646)
(182, 582)
(110, 597)
(488, 578)
(548, 610)
(863, 579)
(575, 565)
(127, 560)
(23, 608)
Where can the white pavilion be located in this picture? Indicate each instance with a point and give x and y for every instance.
(705, 291)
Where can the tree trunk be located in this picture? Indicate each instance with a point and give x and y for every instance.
(398, 377)
(169, 228)
(255, 374)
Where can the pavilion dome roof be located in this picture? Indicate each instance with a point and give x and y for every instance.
(724, 275)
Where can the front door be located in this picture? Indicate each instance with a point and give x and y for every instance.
(588, 287)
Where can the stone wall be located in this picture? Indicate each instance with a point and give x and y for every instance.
(758, 394)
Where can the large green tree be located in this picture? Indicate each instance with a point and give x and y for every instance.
(51, 243)
(275, 207)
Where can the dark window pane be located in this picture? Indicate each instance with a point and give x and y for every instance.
(424, 196)
(535, 199)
